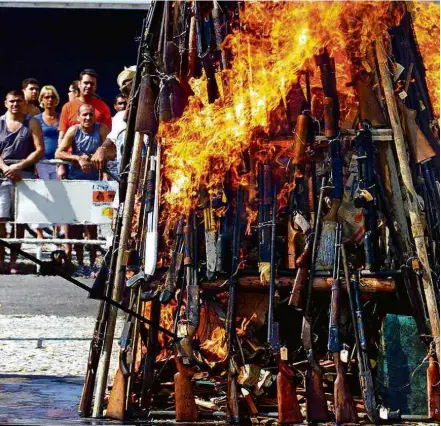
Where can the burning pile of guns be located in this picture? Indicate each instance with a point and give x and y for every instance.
(338, 207)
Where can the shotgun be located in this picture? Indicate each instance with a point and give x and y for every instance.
(174, 269)
(370, 108)
(152, 218)
(331, 118)
(204, 53)
(186, 409)
(345, 411)
(145, 125)
(433, 393)
(366, 198)
(223, 244)
(102, 281)
(316, 406)
(287, 403)
(232, 410)
(264, 231)
(423, 155)
(219, 30)
(364, 367)
(298, 183)
(210, 231)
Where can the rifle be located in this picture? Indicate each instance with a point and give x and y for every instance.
(118, 405)
(370, 108)
(345, 411)
(364, 370)
(297, 297)
(186, 409)
(204, 50)
(219, 32)
(224, 237)
(264, 231)
(210, 231)
(174, 269)
(101, 282)
(119, 396)
(298, 173)
(423, 154)
(433, 393)
(145, 124)
(233, 415)
(151, 213)
(331, 118)
(316, 406)
(287, 403)
(367, 197)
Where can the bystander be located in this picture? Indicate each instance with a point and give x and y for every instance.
(20, 139)
(79, 143)
(31, 89)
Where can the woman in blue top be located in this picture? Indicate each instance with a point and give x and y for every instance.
(48, 119)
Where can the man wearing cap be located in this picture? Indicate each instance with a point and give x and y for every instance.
(114, 143)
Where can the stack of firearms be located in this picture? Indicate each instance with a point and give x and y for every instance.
(319, 266)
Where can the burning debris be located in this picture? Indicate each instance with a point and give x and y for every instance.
(289, 196)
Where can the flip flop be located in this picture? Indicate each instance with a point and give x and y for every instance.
(13, 270)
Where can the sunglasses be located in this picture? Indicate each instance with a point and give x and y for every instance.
(121, 103)
(49, 97)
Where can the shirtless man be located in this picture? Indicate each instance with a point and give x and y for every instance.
(21, 139)
(31, 90)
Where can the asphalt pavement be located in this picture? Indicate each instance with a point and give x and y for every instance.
(48, 295)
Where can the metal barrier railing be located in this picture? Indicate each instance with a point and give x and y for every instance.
(55, 240)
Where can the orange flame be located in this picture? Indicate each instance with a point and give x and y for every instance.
(276, 42)
(426, 19)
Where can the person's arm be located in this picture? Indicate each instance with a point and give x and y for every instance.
(62, 152)
(63, 124)
(13, 171)
(104, 153)
(104, 131)
(107, 117)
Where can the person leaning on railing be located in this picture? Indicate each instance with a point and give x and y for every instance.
(21, 138)
(79, 143)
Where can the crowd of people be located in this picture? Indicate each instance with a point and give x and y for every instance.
(84, 134)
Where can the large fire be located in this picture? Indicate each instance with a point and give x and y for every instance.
(426, 18)
(276, 41)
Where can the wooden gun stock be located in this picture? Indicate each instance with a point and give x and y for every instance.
(297, 298)
(418, 143)
(370, 108)
(300, 139)
(116, 408)
(345, 411)
(331, 127)
(146, 122)
(287, 403)
(192, 46)
(186, 409)
(233, 413)
(433, 393)
(316, 405)
(291, 246)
